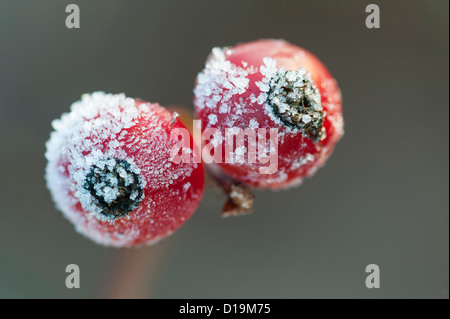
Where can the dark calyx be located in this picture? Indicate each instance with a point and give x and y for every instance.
(296, 102)
(116, 177)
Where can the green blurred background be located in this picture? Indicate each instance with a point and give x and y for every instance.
(382, 197)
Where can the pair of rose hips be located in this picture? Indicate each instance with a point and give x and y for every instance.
(109, 164)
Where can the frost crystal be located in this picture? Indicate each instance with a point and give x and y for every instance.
(212, 119)
(253, 124)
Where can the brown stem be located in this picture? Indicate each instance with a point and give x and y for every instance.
(239, 196)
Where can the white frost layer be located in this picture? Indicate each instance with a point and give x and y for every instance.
(219, 74)
(219, 83)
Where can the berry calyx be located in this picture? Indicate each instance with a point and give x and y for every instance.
(115, 187)
(295, 100)
(110, 171)
(269, 86)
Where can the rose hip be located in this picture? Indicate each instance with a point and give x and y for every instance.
(109, 171)
(271, 84)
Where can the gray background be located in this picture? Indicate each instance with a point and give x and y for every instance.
(382, 197)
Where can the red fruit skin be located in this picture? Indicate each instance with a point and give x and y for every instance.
(168, 201)
(298, 156)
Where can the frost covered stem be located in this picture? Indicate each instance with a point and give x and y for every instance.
(239, 196)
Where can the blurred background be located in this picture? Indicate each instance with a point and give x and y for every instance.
(383, 194)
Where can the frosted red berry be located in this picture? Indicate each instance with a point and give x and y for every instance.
(110, 171)
(272, 84)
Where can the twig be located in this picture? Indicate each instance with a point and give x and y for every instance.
(134, 271)
(239, 196)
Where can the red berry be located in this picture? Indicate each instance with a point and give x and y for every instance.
(271, 84)
(109, 171)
